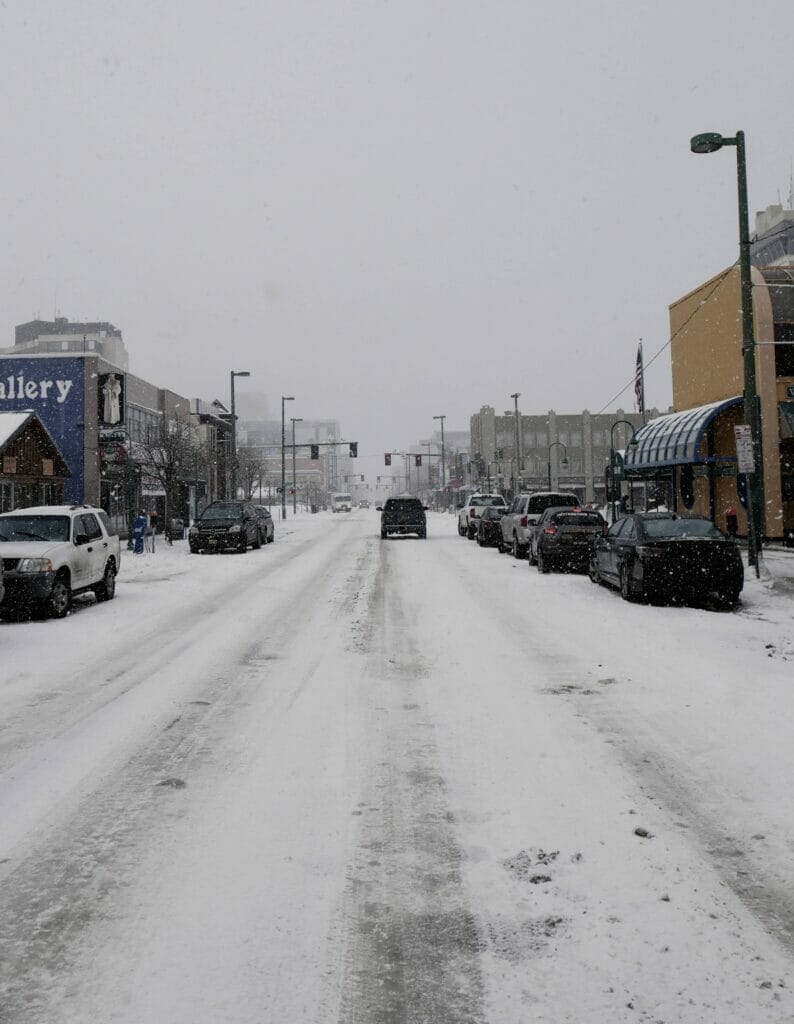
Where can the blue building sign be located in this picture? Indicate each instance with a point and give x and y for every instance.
(55, 390)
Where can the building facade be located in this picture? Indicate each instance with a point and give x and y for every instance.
(548, 451)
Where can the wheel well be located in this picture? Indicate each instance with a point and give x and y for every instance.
(64, 573)
(112, 561)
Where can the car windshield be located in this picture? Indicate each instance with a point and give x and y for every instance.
(659, 529)
(223, 510)
(341, 497)
(540, 502)
(48, 528)
(578, 519)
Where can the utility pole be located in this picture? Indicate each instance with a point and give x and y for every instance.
(517, 475)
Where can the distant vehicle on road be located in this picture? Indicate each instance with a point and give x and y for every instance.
(488, 531)
(363, 503)
(564, 537)
(664, 554)
(470, 513)
(52, 552)
(225, 524)
(403, 514)
(341, 503)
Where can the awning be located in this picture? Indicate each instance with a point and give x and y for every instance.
(674, 440)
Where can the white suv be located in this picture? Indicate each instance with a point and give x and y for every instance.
(468, 515)
(52, 552)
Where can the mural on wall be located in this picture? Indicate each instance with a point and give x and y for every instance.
(54, 389)
(111, 399)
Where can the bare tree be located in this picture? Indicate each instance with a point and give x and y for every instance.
(251, 470)
(169, 458)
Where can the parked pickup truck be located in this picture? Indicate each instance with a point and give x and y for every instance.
(468, 515)
(53, 552)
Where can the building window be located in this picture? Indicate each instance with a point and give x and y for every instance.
(529, 439)
(784, 354)
(542, 442)
(563, 437)
(576, 439)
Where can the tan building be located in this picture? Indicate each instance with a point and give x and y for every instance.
(695, 448)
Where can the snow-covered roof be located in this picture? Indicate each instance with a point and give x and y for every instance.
(10, 423)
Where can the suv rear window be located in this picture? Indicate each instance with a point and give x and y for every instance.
(540, 502)
(578, 519)
(486, 499)
(407, 504)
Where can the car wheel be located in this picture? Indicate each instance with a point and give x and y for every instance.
(194, 550)
(60, 600)
(257, 543)
(383, 535)
(242, 547)
(272, 537)
(106, 590)
(471, 533)
(543, 565)
(592, 570)
(461, 530)
(480, 541)
(626, 585)
(517, 549)
(730, 599)
(500, 544)
(423, 534)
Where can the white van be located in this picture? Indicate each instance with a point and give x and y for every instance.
(341, 503)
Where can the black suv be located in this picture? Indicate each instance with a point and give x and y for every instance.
(403, 515)
(225, 524)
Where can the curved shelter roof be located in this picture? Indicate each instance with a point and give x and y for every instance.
(674, 440)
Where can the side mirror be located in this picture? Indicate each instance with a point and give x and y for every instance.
(426, 508)
(80, 538)
(379, 508)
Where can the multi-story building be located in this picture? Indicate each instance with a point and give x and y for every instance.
(111, 427)
(62, 336)
(694, 449)
(567, 450)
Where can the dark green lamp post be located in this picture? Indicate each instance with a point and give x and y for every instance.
(563, 460)
(631, 444)
(710, 142)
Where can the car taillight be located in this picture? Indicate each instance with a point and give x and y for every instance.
(550, 530)
(523, 521)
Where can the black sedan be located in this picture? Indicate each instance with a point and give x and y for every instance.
(663, 554)
(488, 529)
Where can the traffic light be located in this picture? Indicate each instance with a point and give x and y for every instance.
(315, 451)
(362, 478)
(387, 458)
(418, 460)
(354, 449)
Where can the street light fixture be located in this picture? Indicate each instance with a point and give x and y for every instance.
(710, 142)
(633, 442)
(284, 398)
(563, 460)
(232, 375)
(294, 420)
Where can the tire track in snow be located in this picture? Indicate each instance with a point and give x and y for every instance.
(65, 881)
(411, 946)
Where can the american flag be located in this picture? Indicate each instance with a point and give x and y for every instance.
(639, 382)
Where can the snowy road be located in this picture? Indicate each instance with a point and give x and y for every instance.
(343, 780)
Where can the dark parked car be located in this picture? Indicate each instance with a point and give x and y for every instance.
(665, 554)
(564, 537)
(225, 524)
(267, 533)
(403, 515)
(488, 528)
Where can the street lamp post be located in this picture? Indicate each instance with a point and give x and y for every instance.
(232, 375)
(284, 398)
(517, 475)
(710, 142)
(294, 420)
(632, 444)
(563, 461)
(443, 454)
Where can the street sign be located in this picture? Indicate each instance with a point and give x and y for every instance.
(745, 457)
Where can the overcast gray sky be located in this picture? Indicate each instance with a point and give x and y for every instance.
(388, 209)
